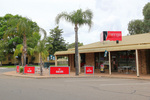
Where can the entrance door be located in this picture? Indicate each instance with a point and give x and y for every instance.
(26, 60)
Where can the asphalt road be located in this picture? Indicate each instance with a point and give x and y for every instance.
(16, 88)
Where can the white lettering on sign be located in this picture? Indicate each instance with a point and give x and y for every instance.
(59, 71)
(89, 70)
(29, 70)
(115, 34)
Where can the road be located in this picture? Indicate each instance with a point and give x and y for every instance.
(16, 88)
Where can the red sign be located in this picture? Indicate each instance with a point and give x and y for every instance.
(59, 70)
(29, 69)
(114, 35)
(17, 69)
(89, 70)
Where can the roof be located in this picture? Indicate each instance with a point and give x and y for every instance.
(131, 42)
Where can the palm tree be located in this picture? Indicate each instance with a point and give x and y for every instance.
(19, 50)
(77, 18)
(43, 51)
(22, 27)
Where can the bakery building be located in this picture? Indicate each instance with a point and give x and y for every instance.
(131, 55)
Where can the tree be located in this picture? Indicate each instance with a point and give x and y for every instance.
(77, 18)
(43, 51)
(18, 52)
(22, 27)
(136, 27)
(2, 51)
(141, 26)
(72, 45)
(55, 41)
(146, 14)
(13, 40)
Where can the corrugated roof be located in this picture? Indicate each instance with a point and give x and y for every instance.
(131, 42)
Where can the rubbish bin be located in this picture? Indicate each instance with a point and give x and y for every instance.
(46, 64)
(102, 70)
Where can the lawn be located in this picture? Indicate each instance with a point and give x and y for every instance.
(14, 66)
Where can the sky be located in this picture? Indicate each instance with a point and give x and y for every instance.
(108, 15)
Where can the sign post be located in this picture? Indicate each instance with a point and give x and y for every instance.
(65, 70)
(89, 70)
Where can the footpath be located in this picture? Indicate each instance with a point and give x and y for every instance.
(82, 75)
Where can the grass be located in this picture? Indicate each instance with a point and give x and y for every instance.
(14, 66)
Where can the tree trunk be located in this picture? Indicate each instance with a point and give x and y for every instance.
(0, 63)
(41, 65)
(22, 59)
(76, 50)
(24, 49)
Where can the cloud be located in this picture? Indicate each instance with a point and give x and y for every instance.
(108, 15)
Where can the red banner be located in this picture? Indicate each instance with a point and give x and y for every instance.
(89, 70)
(29, 69)
(59, 70)
(17, 69)
(114, 35)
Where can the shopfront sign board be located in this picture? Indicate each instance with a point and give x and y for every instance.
(64, 70)
(89, 70)
(114, 36)
(29, 70)
(17, 69)
(111, 36)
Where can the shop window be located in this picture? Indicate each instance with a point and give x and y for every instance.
(100, 59)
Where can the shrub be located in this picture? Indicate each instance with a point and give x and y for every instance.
(21, 69)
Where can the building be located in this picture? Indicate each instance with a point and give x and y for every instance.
(34, 60)
(129, 56)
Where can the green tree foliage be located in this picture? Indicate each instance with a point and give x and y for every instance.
(72, 45)
(22, 28)
(136, 27)
(12, 41)
(2, 51)
(42, 49)
(77, 18)
(141, 26)
(55, 41)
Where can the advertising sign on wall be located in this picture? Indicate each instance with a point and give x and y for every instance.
(17, 69)
(59, 70)
(29, 69)
(114, 36)
(89, 70)
(111, 36)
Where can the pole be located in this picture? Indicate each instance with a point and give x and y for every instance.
(137, 63)
(109, 63)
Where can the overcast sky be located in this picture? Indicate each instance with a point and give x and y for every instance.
(109, 15)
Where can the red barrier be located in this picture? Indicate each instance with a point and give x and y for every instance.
(59, 70)
(17, 69)
(89, 70)
(29, 69)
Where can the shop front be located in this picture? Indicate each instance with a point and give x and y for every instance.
(129, 56)
(121, 62)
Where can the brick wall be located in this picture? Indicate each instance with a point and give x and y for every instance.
(71, 62)
(142, 61)
(89, 59)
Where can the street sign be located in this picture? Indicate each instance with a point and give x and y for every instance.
(29, 69)
(59, 70)
(17, 69)
(105, 54)
(51, 57)
(89, 70)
